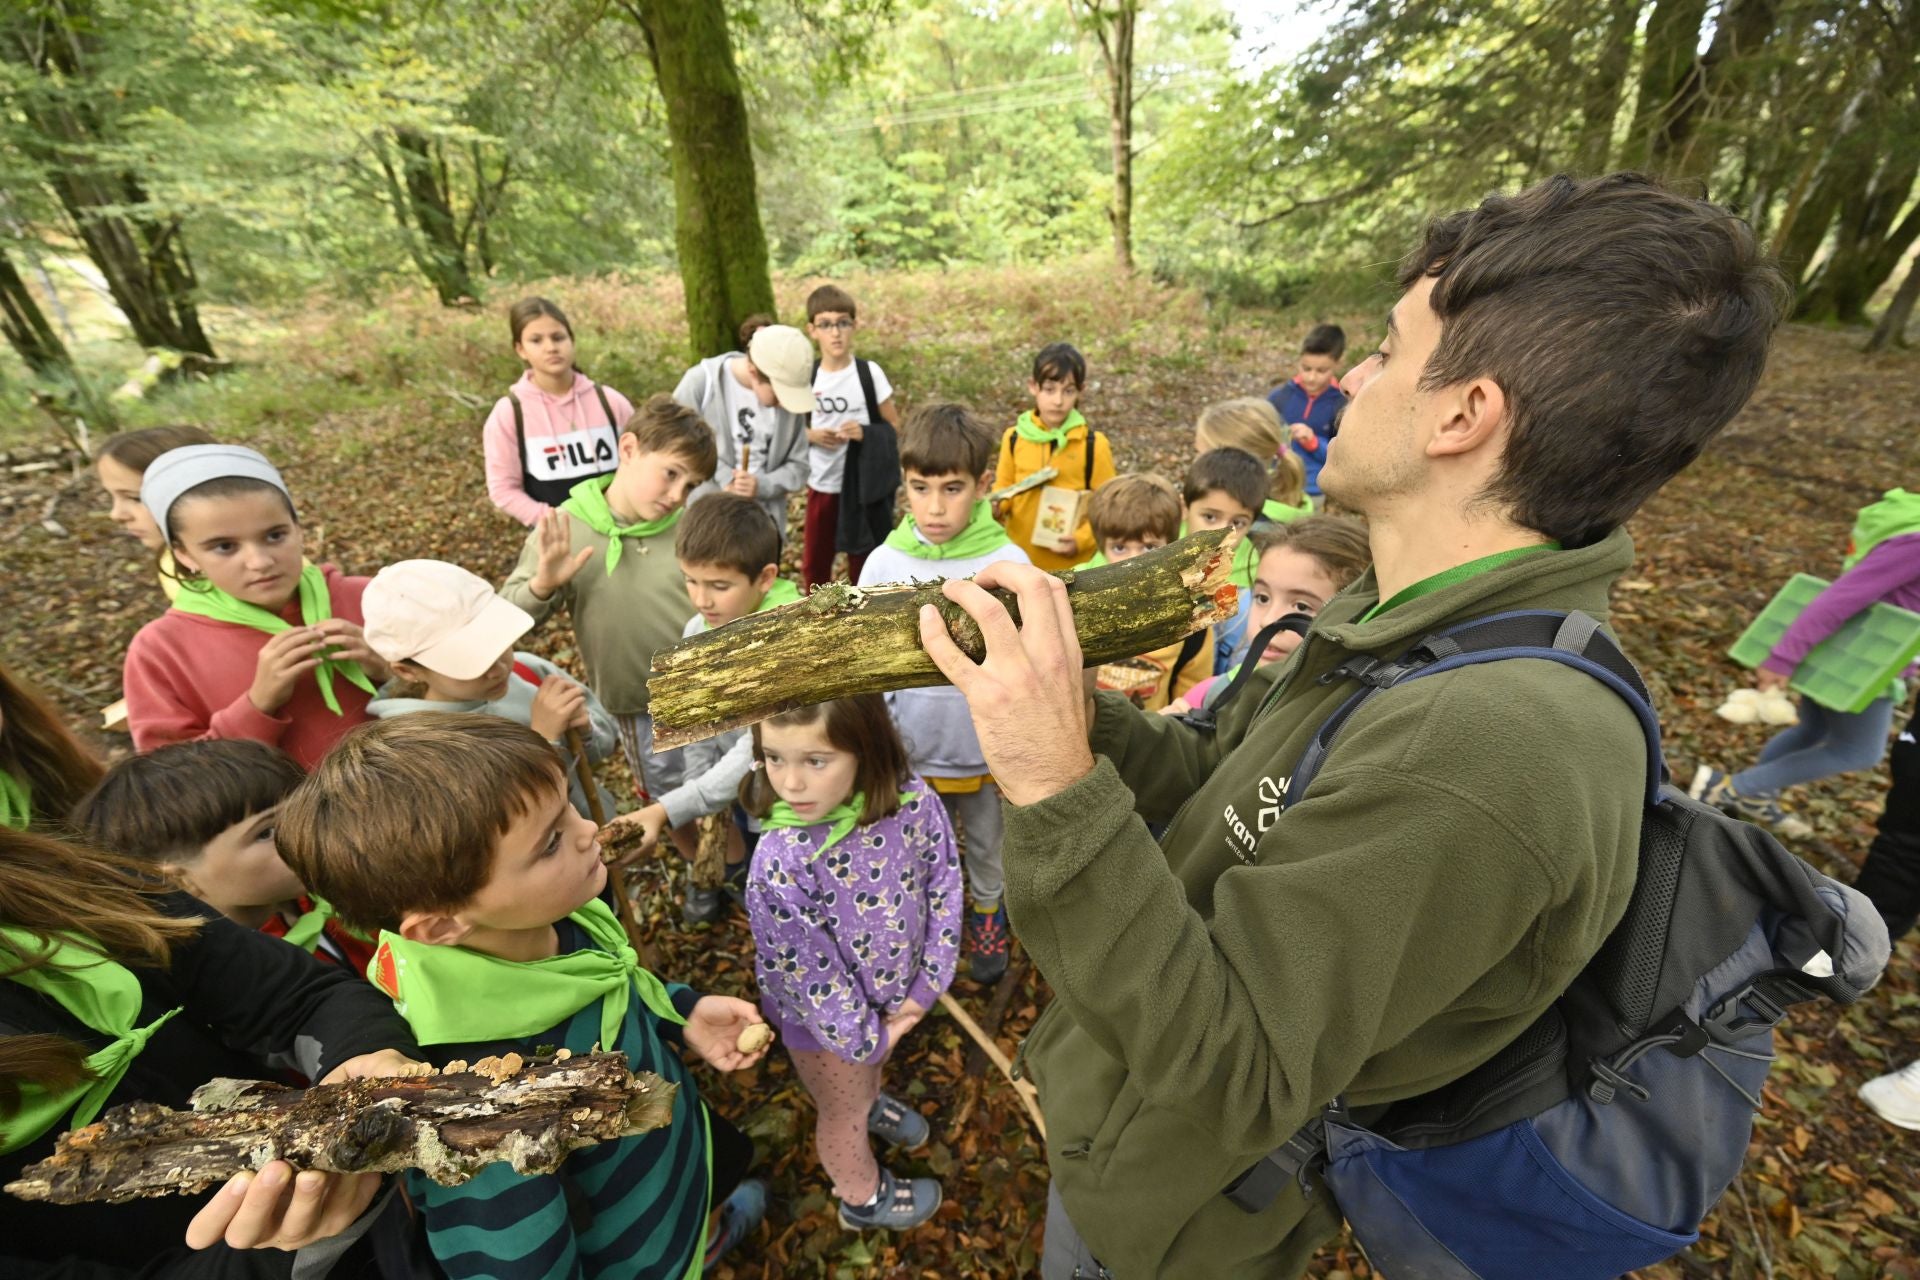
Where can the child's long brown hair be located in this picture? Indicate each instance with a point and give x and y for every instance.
(859, 726)
(37, 748)
(50, 886)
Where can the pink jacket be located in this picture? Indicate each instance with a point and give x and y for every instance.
(546, 417)
(187, 678)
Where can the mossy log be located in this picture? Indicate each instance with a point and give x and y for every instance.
(449, 1124)
(845, 640)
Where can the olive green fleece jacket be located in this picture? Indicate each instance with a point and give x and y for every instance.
(619, 618)
(1468, 844)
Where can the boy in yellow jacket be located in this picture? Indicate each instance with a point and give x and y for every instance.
(1049, 522)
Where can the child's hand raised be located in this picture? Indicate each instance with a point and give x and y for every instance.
(714, 1031)
(1303, 435)
(348, 643)
(559, 706)
(558, 561)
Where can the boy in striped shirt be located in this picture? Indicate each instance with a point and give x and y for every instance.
(493, 940)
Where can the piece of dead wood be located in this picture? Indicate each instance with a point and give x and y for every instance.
(845, 640)
(449, 1125)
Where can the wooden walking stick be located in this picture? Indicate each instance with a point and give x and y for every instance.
(1028, 1095)
(622, 904)
(844, 640)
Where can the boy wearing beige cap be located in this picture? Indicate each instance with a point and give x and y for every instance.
(443, 629)
(758, 404)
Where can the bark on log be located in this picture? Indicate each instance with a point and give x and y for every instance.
(449, 1125)
(845, 640)
(710, 854)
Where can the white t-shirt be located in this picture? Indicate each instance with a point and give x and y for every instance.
(747, 421)
(839, 400)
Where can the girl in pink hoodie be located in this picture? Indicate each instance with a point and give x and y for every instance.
(556, 427)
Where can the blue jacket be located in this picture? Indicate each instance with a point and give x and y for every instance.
(1318, 412)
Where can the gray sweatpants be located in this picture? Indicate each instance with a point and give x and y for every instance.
(978, 815)
(1063, 1254)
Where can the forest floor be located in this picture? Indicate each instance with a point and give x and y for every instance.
(373, 412)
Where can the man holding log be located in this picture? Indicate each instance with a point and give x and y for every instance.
(1554, 357)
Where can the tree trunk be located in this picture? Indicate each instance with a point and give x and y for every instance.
(429, 205)
(26, 327)
(716, 208)
(1868, 245)
(449, 1125)
(142, 256)
(845, 640)
(1673, 36)
(1687, 147)
(1600, 103)
(1892, 329)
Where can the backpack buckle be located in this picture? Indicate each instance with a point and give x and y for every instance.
(1746, 1011)
(1300, 1159)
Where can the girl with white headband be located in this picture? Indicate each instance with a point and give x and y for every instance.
(259, 644)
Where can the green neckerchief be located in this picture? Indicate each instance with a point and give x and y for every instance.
(840, 819)
(982, 534)
(105, 997)
(1099, 559)
(453, 995)
(588, 501)
(305, 932)
(1895, 515)
(316, 605)
(781, 592)
(1448, 577)
(1280, 513)
(1030, 429)
(16, 802)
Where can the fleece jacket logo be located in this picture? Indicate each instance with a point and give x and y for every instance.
(1244, 838)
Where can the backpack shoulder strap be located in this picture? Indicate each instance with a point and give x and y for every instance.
(519, 427)
(864, 371)
(605, 407)
(1087, 481)
(1571, 639)
(1188, 649)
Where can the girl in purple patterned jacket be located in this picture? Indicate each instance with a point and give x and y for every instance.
(855, 900)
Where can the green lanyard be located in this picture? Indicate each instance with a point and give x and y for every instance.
(1449, 577)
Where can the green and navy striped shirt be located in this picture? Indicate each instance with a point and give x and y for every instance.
(626, 1210)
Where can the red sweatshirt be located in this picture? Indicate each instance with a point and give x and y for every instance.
(187, 678)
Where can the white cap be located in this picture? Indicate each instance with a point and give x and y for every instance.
(440, 616)
(785, 357)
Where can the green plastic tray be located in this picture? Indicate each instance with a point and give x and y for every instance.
(1851, 667)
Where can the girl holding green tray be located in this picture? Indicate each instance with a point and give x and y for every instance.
(1882, 564)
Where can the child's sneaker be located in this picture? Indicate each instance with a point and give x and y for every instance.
(988, 941)
(898, 1205)
(1710, 786)
(1895, 1097)
(740, 1217)
(896, 1123)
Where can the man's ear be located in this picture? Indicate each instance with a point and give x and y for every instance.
(435, 928)
(1477, 418)
(763, 583)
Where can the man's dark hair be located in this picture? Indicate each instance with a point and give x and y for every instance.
(1234, 472)
(1324, 340)
(1060, 362)
(1626, 323)
(728, 530)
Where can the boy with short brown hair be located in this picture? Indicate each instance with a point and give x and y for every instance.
(729, 557)
(949, 532)
(606, 553)
(452, 834)
(1133, 514)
